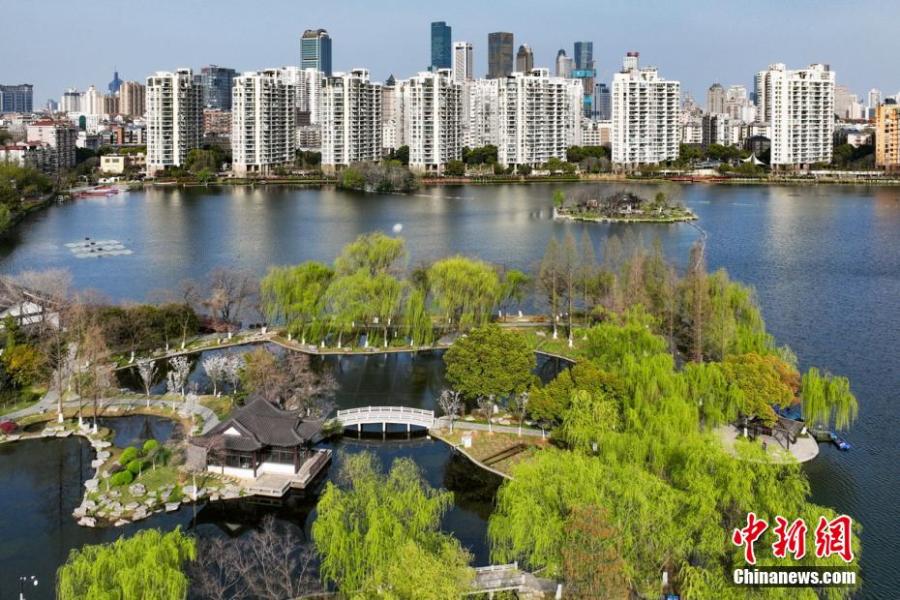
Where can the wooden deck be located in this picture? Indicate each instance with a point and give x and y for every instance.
(272, 485)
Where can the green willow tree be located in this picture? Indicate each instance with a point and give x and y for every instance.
(373, 252)
(376, 531)
(827, 399)
(464, 291)
(294, 295)
(149, 565)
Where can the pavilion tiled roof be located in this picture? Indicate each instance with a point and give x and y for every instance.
(261, 424)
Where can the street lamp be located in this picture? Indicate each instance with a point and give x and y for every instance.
(22, 581)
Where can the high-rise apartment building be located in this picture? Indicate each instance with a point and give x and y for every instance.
(564, 64)
(216, 83)
(70, 102)
(645, 115)
(174, 118)
(463, 69)
(441, 57)
(524, 59)
(873, 99)
(481, 110)
(602, 102)
(432, 120)
(307, 85)
(132, 99)
(500, 54)
(842, 101)
(715, 99)
(887, 137)
(315, 51)
(92, 102)
(351, 119)
(538, 118)
(17, 98)
(800, 108)
(391, 115)
(262, 123)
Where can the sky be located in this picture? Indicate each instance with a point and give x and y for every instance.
(57, 44)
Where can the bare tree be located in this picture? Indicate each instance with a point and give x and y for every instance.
(486, 404)
(147, 371)
(215, 367)
(271, 563)
(450, 402)
(289, 381)
(229, 291)
(54, 289)
(521, 409)
(176, 379)
(233, 370)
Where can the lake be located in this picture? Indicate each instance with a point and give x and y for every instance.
(825, 261)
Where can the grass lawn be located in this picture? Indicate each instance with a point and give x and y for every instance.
(222, 406)
(486, 445)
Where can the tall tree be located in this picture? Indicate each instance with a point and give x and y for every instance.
(587, 274)
(464, 290)
(295, 295)
(569, 268)
(592, 565)
(375, 253)
(490, 362)
(550, 281)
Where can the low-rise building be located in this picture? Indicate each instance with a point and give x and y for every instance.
(60, 136)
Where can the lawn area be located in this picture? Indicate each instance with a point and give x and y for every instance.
(222, 405)
(499, 451)
(13, 401)
(559, 346)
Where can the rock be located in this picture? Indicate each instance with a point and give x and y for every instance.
(92, 484)
(189, 490)
(96, 464)
(121, 522)
(80, 511)
(104, 455)
(87, 522)
(137, 489)
(89, 504)
(172, 506)
(114, 493)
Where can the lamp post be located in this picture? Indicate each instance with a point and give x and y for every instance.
(22, 581)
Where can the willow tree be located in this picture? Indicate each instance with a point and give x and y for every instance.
(294, 295)
(417, 319)
(587, 420)
(464, 291)
(373, 252)
(827, 398)
(149, 565)
(374, 528)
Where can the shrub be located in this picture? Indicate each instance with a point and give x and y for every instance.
(136, 466)
(128, 455)
(176, 494)
(121, 478)
(150, 446)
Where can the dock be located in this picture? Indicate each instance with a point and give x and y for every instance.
(275, 485)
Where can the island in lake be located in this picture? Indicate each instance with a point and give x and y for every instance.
(623, 207)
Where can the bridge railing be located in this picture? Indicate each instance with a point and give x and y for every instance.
(397, 414)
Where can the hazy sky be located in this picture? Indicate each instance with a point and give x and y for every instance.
(56, 44)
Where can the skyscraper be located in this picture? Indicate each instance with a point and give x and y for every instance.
(17, 98)
(602, 102)
(887, 136)
(440, 46)
(500, 54)
(217, 83)
(524, 59)
(115, 84)
(585, 71)
(564, 64)
(174, 118)
(874, 99)
(462, 62)
(315, 51)
(715, 99)
(584, 55)
(645, 110)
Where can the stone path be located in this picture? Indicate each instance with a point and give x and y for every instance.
(804, 450)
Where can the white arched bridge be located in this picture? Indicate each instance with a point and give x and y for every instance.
(395, 415)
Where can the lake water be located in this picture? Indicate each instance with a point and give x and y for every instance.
(825, 261)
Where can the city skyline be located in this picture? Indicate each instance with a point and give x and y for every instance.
(665, 36)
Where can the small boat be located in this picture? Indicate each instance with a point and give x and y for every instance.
(840, 442)
(100, 191)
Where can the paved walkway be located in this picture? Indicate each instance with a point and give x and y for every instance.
(48, 404)
(444, 423)
(804, 450)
